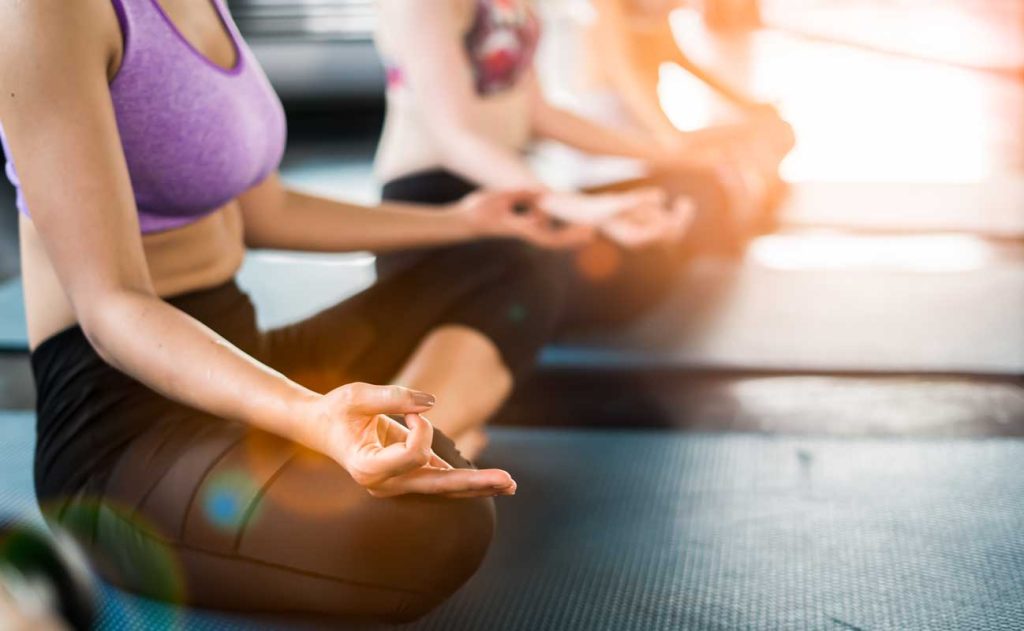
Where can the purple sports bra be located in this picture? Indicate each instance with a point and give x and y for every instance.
(195, 135)
(500, 45)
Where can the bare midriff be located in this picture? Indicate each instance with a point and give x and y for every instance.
(201, 255)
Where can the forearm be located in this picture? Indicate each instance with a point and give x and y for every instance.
(300, 221)
(722, 87)
(638, 88)
(182, 359)
(589, 136)
(633, 74)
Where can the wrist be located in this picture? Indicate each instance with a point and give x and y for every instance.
(662, 149)
(299, 416)
(664, 154)
(461, 223)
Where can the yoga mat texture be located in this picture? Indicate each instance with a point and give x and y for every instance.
(651, 531)
(13, 336)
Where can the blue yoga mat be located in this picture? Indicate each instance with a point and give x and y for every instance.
(13, 336)
(659, 531)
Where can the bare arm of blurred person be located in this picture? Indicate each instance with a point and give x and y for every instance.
(590, 136)
(630, 41)
(631, 70)
(630, 45)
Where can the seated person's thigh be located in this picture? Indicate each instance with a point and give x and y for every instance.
(213, 513)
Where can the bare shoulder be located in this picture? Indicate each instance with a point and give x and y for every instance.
(38, 33)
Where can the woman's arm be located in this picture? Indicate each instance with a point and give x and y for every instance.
(634, 73)
(588, 135)
(57, 112)
(426, 41)
(278, 217)
(634, 79)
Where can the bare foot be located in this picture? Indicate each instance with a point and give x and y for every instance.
(472, 443)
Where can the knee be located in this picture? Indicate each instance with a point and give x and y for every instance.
(535, 279)
(641, 281)
(648, 277)
(516, 297)
(461, 535)
(513, 255)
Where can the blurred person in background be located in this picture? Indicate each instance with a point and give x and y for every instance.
(464, 105)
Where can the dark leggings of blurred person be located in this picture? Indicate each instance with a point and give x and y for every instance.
(197, 458)
(463, 105)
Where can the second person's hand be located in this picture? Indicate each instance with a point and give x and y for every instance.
(517, 214)
(650, 222)
(632, 219)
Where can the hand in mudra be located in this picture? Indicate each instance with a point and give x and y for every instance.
(656, 221)
(350, 425)
(515, 214)
(633, 219)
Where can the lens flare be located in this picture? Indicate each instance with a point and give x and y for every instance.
(227, 498)
(517, 313)
(125, 548)
(291, 488)
(905, 253)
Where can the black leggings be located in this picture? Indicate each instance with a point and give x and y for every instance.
(182, 506)
(599, 286)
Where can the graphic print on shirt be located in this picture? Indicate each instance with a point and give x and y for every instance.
(501, 43)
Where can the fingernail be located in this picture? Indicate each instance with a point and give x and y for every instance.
(422, 398)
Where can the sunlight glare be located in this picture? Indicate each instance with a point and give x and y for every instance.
(834, 251)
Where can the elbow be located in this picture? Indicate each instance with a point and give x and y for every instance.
(98, 345)
(256, 239)
(254, 230)
(105, 318)
(96, 333)
(97, 326)
(455, 142)
(544, 121)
